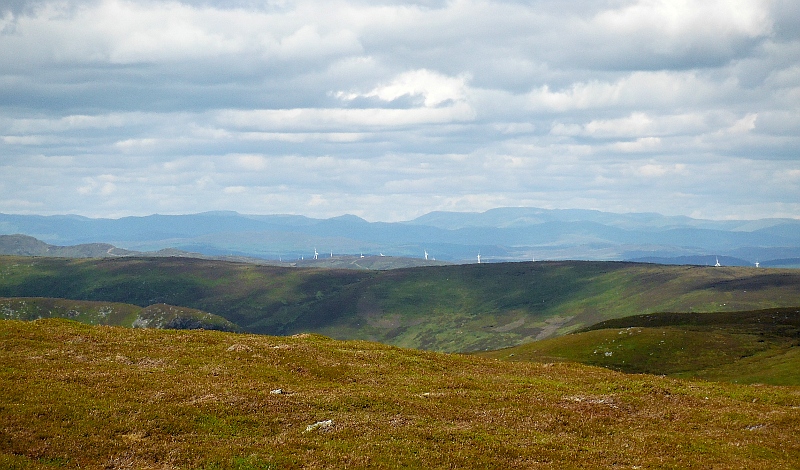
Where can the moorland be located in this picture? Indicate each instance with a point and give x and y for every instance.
(456, 308)
(754, 347)
(99, 397)
(113, 363)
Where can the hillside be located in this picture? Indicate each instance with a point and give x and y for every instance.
(23, 245)
(760, 346)
(112, 313)
(78, 396)
(444, 308)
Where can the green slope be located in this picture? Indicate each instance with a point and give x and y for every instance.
(112, 313)
(747, 347)
(445, 308)
(78, 396)
(475, 307)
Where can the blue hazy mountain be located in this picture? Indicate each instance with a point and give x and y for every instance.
(498, 234)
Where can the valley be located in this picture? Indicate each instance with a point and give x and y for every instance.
(455, 308)
(113, 363)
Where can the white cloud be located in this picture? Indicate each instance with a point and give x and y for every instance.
(658, 170)
(677, 33)
(391, 109)
(103, 185)
(73, 122)
(638, 89)
(251, 162)
(235, 190)
(688, 20)
(134, 145)
(744, 125)
(131, 32)
(337, 119)
(432, 87)
(639, 145)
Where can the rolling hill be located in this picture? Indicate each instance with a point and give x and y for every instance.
(112, 314)
(24, 245)
(444, 308)
(760, 346)
(78, 396)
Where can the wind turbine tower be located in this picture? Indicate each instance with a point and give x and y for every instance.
(426, 255)
(479, 258)
(717, 265)
(757, 263)
(316, 255)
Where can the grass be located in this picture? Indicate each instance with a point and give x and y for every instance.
(444, 308)
(79, 396)
(112, 313)
(746, 347)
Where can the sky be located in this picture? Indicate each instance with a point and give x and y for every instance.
(389, 110)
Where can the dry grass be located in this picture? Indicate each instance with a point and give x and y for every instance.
(78, 396)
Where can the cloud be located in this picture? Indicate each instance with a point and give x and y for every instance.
(103, 185)
(320, 119)
(433, 89)
(391, 109)
(682, 34)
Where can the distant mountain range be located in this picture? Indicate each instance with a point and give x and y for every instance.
(503, 234)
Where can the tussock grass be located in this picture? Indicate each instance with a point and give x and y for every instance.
(79, 396)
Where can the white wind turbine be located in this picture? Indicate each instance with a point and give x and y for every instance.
(426, 255)
(316, 255)
(479, 257)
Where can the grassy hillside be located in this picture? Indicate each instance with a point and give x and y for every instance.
(23, 245)
(746, 347)
(78, 396)
(112, 313)
(445, 308)
(29, 246)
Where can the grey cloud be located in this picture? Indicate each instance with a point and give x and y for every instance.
(786, 15)
(30, 7)
(392, 109)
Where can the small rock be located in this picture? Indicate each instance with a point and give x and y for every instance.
(277, 391)
(319, 425)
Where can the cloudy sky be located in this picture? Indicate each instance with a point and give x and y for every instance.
(389, 110)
